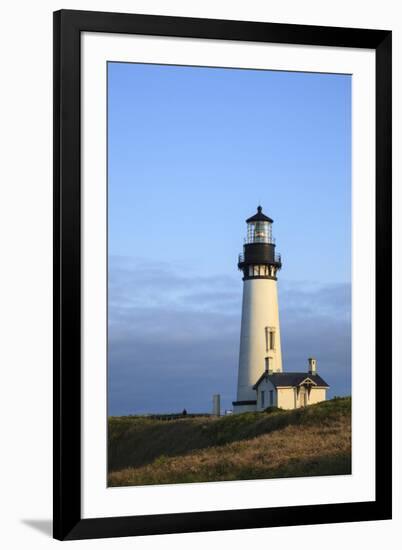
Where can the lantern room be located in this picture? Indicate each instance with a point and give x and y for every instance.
(259, 228)
(259, 259)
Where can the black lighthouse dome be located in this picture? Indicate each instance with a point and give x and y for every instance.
(259, 217)
(259, 259)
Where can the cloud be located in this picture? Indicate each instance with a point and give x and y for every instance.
(174, 335)
(316, 321)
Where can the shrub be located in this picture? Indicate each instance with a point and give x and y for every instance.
(272, 409)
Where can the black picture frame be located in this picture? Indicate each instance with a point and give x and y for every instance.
(68, 26)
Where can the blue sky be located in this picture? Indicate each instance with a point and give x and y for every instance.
(191, 152)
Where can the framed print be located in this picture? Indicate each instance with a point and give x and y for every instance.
(222, 274)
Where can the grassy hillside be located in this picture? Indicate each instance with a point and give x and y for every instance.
(312, 441)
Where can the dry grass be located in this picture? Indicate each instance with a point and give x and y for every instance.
(312, 441)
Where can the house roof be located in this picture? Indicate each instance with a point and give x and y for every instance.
(285, 379)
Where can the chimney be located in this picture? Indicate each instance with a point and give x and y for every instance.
(268, 365)
(312, 365)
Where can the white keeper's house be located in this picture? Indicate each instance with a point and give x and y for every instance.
(261, 380)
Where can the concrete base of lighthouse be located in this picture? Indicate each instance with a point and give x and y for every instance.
(244, 406)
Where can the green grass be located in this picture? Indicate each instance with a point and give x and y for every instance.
(311, 441)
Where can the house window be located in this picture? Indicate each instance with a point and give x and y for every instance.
(270, 338)
(271, 397)
(263, 399)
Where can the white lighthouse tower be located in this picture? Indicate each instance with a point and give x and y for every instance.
(260, 339)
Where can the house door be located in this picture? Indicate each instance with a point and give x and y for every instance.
(303, 397)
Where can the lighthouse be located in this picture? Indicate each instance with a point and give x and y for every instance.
(260, 339)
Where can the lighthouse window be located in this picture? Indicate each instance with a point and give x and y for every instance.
(258, 271)
(260, 232)
(270, 338)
